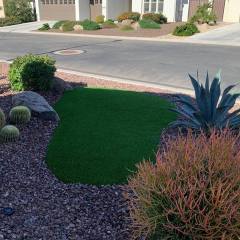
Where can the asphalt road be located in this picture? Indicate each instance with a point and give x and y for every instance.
(154, 62)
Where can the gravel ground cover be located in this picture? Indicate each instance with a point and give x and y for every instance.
(45, 208)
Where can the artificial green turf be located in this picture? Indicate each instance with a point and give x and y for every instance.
(104, 133)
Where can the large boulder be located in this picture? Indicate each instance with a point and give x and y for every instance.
(37, 104)
(60, 86)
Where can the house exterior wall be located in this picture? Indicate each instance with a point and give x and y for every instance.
(82, 10)
(2, 14)
(232, 11)
(111, 9)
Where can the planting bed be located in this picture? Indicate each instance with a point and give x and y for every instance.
(44, 207)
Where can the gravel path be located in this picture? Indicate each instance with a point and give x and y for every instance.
(46, 208)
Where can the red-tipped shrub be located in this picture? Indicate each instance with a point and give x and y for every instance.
(192, 192)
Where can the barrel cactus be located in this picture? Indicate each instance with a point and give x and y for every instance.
(2, 119)
(20, 115)
(9, 133)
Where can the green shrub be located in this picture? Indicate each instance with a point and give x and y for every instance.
(191, 192)
(68, 26)
(109, 24)
(58, 24)
(20, 115)
(90, 25)
(32, 72)
(156, 17)
(212, 109)
(44, 27)
(187, 29)
(100, 19)
(127, 28)
(204, 14)
(9, 133)
(8, 21)
(129, 15)
(2, 119)
(19, 9)
(148, 23)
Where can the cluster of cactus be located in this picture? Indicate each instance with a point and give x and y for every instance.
(17, 115)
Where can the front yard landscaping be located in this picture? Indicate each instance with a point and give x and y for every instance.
(104, 133)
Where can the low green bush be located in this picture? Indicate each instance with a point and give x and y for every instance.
(58, 24)
(135, 16)
(156, 17)
(187, 29)
(127, 28)
(32, 72)
(109, 24)
(100, 19)
(44, 27)
(148, 23)
(68, 26)
(90, 25)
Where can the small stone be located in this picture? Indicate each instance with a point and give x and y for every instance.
(8, 211)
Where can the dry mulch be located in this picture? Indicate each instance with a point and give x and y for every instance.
(46, 208)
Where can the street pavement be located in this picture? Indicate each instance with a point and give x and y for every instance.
(163, 63)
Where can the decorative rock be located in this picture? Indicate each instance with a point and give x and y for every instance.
(127, 22)
(8, 211)
(136, 26)
(37, 104)
(60, 86)
(78, 28)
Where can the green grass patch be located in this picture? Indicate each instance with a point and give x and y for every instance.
(104, 133)
(149, 24)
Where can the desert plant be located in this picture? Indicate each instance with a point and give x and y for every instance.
(156, 17)
(148, 23)
(127, 28)
(58, 24)
(187, 29)
(44, 27)
(135, 16)
(204, 14)
(2, 119)
(211, 109)
(90, 25)
(100, 19)
(191, 192)
(32, 72)
(20, 115)
(9, 133)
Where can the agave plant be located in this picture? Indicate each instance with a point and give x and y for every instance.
(211, 110)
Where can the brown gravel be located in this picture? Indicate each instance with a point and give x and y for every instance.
(46, 208)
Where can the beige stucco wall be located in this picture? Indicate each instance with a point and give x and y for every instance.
(2, 15)
(232, 11)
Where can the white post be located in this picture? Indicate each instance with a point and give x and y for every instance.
(105, 9)
(37, 6)
(77, 9)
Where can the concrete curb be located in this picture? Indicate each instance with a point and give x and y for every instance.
(167, 88)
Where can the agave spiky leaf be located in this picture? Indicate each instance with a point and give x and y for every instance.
(210, 110)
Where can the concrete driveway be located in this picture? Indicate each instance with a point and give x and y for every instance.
(25, 27)
(153, 62)
(227, 35)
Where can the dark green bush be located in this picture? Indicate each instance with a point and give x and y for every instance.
(109, 24)
(32, 72)
(8, 21)
(156, 17)
(90, 25)
(148, 23)
(135, 16)
(187, 29)
(58, 24)
(20, 9)
(44, 27)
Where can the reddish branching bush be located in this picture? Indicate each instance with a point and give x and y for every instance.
(192, 192)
